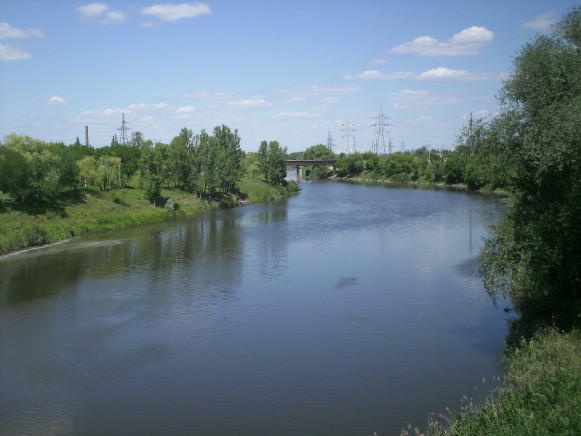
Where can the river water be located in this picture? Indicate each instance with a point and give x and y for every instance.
(345, 310)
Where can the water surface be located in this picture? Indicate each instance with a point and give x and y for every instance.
(345, 310)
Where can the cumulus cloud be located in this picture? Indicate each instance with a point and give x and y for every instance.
(419, 99)
(9, 52)
(303, 93)
(148, 106)
(375, 74)
(208, 95)
(55, 101)
(252, 102)
(7, 31)
(467, 42)
(185, 109)
(294, 115)
(114, 17)
(100, 12)
(173, 12)
(104, 113)
(91, 11)
(442, 73)
(540, 22)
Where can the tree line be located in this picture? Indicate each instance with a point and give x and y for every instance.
(464, 165)
(204, 164)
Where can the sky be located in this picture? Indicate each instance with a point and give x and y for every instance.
(291, 71)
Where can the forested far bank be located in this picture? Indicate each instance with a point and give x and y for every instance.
(466, 164)
(51, 191)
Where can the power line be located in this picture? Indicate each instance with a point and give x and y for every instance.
(381, 123)
(330, 142)
(123, 140)
(349, 139)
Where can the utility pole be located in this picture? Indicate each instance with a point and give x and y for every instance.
(348, 138)
(123, 129)
(381, 122)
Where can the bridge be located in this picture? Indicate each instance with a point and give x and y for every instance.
(300, 163)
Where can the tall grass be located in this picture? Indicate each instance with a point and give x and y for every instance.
(542, 395)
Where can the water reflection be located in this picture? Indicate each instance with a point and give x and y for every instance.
(313, 315)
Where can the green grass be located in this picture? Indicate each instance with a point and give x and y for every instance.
(258, 191)
(90, 210)
(542, 395)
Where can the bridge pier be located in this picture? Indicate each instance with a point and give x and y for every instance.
(299, 173)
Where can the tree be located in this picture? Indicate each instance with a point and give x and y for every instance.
(151, 172)
(272, 162)
(230, 161)
(14, 172)
(533, 254)
(318, 152)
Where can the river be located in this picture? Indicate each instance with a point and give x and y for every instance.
(345, 310)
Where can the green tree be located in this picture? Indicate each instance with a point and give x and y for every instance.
(14, 172)
(230, 161)
(533, 254)
(151, 172)
(272, 162)
(108, 172)
(317, 152)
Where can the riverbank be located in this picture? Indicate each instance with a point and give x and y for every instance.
(85, 211)
(541, 394)
(371, 178)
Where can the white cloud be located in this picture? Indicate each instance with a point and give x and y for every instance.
(301, 94)
(7, 31)
(418, 99)
(467, 42)
(442, 73)
(55, 101)
(12, 53)
(114, 17)
(425, 118)
(252, 102)
(109, 112)
(185, 109)
(294, 115)
(148, 106)
(100, 12)
(375, 74)
(540, 22)
(329, 100)
(208, 95)
(379, 61)
(173, 12)
(91, 11)
(297, 99)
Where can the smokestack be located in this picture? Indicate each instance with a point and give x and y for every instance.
(87, 136)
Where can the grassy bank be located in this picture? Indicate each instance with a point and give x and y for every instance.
(87, 211)
(541, 395)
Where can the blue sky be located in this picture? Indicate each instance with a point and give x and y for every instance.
(291, 71)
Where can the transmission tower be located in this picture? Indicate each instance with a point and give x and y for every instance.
(330, 142)
(381, 122)
(348, 138)
(123, 129)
